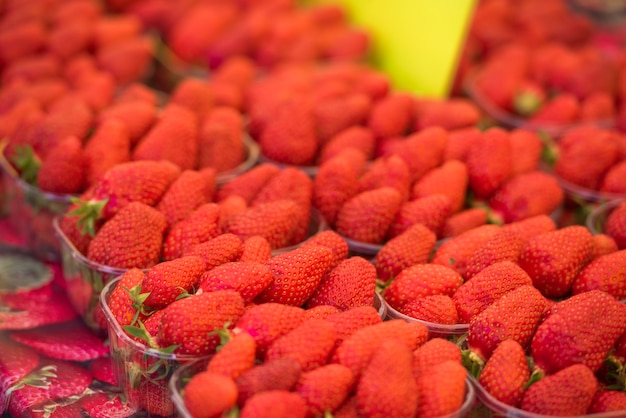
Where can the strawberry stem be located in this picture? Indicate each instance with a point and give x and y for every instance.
(88, 212)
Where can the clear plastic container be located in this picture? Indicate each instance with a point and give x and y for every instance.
(598, 216)
(586, 195)
(500, 409)
(31, 211)
(142, 373)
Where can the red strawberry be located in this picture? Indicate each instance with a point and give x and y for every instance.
(430, 211)
(112, 29)
(195, 95)
(333, 115)
(350, 284)
(349, 321)
(200, 226)
(16, 362)
(96, 89)
(325, 388)
(577, 330)
(606, 400)
(128, 60)
(173, 137)
(321, 311)
(391, 116)
(247, 277)
(530, 227)
(459, 143)
(65, 341)
(506, 373)
(606, 273)
(356, 351)
(611, 183)
(219, 250)
(229, 207)
(256, 248)
(505, 245)
(107, 147)
(120, 302)
(280, 374)
(515, 315)
(598, 106)
(438, 309)
(489, 162)
(153, 397)
(209, 394)
(554, 259)
(188, 191)
(296, 274)
(387, 386)
(463, 221)
(391, 171)
(332, 240)
(354, 137)
(137, 115)
(454, 113)
(434, 352)
(101, 405)
(421, 280)
(563, 109)
(275, 404)
(131, 238)
(526, 146)
(604, 245)
(248, 184)
(378, 206)
(221, 139)
(187, 322)
(137, 92)
(450, 179)
(568, 392)
(236, 355)
(441, 389)
(614, 226)
(166, 281)
(413, 246)
(102, 370)
(64, 170)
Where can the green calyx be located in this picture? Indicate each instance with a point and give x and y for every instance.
(526, 103)
(88, 213)
(472, 362)
(27, 163)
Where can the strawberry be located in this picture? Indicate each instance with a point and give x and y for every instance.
(356, 351)
(275, 404)
(334, 115)
(35, 68)
(459, 143)
(209, 394)
(606, 400)
(438, 309)
(17, 361)
(128, 60)
(413, 246)
(248, 184)
(310, 343)
(64, 170)
(256, 248)
(296, 274)
(236, 355)
(387, 386)
(350, 284)
(65, 341)
(378, 206)
(441, 389)
(217, 251)
(137, 92)
(491, 283)
(506, 373)
(575, 331)
(421, 280)
(280, 374)
(489, 162)
(347, 409)
(325, 388)
(102, 369)
(173, 137)
(111, 29)
(131, 238)
(391, 116)
(166, 281)
(152, 396)
(22, 40)
(200, 226)
(562, 109)
(237, 70)
(188, 191)
(321, 311)
(554, 259)
(611, 183)
(597, 106)
(107, 147)
(450, 114)
(120, 302)
(614, 225)
(463, 221)
(348, 321)
(526, 146)
(274, 221)
(605, 273)
(136, 115)
(332, 240)
(101, 405)
(391, 171)
(604, 245)
(515, 315)
(530, 227)
(505, 245)
(221, 139)
(355, 137)
(186, 322)
(229, 207)
(195, 95)
(96, 89)
(450, 179)
(249, 278)
(568, 392)
(430, 211)
(434, 352)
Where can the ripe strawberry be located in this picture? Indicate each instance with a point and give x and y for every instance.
(64, 169)
(378, 206)
(391, 116)
(107, 147)
(101, 405)
(604, 245)
(614, 225)
(217, 251)
(606, 400)
(554, 259)
(173, 137)
(611, 183)
(187, 322)
(463, 221)
(562, 109)
(131, 238)
(17, 361)
(275, 404)
(274, 221)
(530, 227)
(568, 392)
(200, 226)
(102, 369)
(96, 89)
(334, 115)
(473, 296)
(606, 273)
(153, 397)
(515, 315)
(22, 40)
(576, 331)
(459, 143)
(349, 321)
(121, 299)
(506, 373)
(296, 274)
(450, 114)
(136, 115)
(127, 60)
(489, 162)
(236, 355)
(347, 409)
(438, 309)
(526, 146)
(413, 246)
(434, 352)
(256, 248)
(247, 277)
(332, 240)
(350, 284)
(321, 311)
(441, 389)
(421, 280)
(166, 281)
(137, 92)
(66, 341)
(248, 184)
(357, 350)
(280, 374)
(325, 388)
(390, 171)
(455, 252)
(505, 245)
(387, 386)
(430, 211)
(229, 207)
(209, 394)
(195, 95)
(221, 139)
(188, 191)
(450, 179)
(355, 137)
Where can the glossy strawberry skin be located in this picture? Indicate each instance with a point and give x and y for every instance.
(249, 278)
(506, 372)
(606, 273)
(166, 281)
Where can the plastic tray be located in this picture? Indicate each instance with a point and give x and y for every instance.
(598, 216)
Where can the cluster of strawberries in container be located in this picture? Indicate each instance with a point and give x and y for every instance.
(259, 224)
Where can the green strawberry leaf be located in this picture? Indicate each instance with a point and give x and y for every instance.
(27, 163)
(88, 212)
